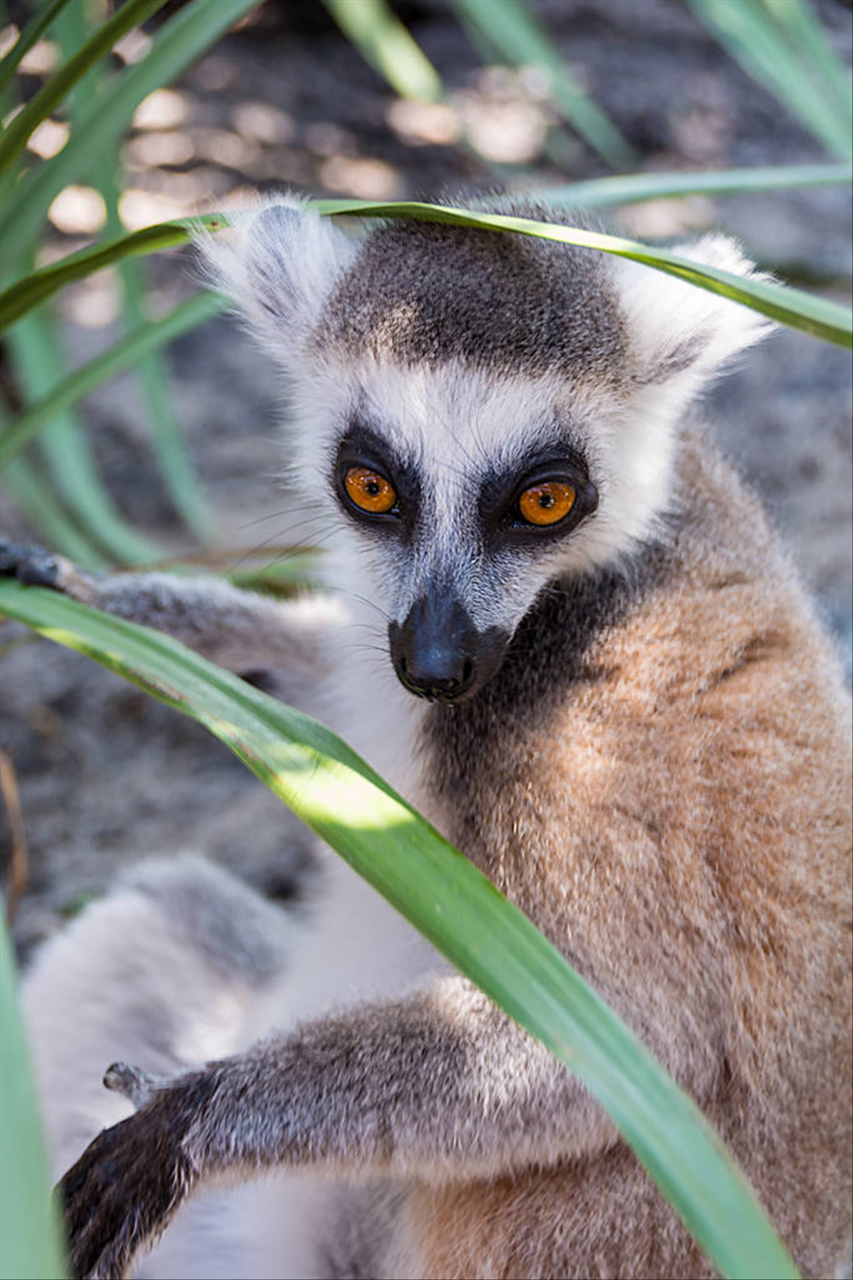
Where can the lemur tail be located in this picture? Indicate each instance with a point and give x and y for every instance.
(171, 969)
(166, 972)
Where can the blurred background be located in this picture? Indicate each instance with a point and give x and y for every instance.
(179, 456)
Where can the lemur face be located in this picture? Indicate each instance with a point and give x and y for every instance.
(477, 414)
(464, 497)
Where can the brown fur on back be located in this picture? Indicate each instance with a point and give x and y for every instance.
(690, 741)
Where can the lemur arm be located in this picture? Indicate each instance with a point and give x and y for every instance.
(440, 1084)
(241, 630)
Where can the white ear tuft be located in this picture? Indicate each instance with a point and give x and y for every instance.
(279, 262)
(679, 331)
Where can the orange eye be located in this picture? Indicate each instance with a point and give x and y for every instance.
(369, 491)
(547, 503)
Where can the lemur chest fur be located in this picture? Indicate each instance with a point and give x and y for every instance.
(626, 760)
(497, 765)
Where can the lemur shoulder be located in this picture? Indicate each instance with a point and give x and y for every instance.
(602, 681)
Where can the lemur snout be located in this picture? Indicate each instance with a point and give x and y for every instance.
(437, 651)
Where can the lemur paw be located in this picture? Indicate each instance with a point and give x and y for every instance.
(129, 1182)
(29, 563)
(136, 1084)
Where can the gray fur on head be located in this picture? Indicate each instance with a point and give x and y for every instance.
(422, 292)
(469, 353)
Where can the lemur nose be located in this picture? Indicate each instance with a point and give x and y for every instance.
(434, 649)
(425, 676)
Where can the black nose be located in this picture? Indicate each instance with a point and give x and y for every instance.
(437, 674)
(437, 650)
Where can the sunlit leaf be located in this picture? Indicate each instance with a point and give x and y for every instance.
(384, 42)
(449, 900)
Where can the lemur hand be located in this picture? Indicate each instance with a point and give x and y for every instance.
(129, 1182)
(31, 564)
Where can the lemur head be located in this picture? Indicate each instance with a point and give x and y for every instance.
(481, 413)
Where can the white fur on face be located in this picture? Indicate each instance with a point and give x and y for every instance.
(668, 318)
(457, 424)
(456, 427)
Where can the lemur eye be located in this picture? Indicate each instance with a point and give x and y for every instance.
(369, 491)
(547, 503)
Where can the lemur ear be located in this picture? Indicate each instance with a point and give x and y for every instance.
(677, 331)
(279, 262)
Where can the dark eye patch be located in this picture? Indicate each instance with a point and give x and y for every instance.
(500, 492)
(361, 446)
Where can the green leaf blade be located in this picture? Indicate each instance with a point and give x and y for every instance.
(35, 29)
(450, 901)
(41, 510)
(792, 307)
(36, 288)
(176, 45)
(753, 39)
(635, 187)
(385, 43)
(801, 23)
(514, 31)
(66, 450)
(30, 1242)
(130, 15)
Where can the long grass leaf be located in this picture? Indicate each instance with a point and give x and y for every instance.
(792, 307)
(450, 901)
(30, 1247)
(123, 355)
(803, 27)
(170, 451)
(388, 47)
(816, 316)
(75, 25)
(130, 15)
(33, 31)
(749, 35)
(559, 146)
(37, 287)
(176, 45)
(66, 449)
(514, 30)
(176, 470)
(634, 187)
(44, 514)
(276, 568)
(173, 460)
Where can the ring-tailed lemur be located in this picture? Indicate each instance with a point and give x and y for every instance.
(625, 714)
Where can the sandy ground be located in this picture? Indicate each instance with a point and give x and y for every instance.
(105, 774)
